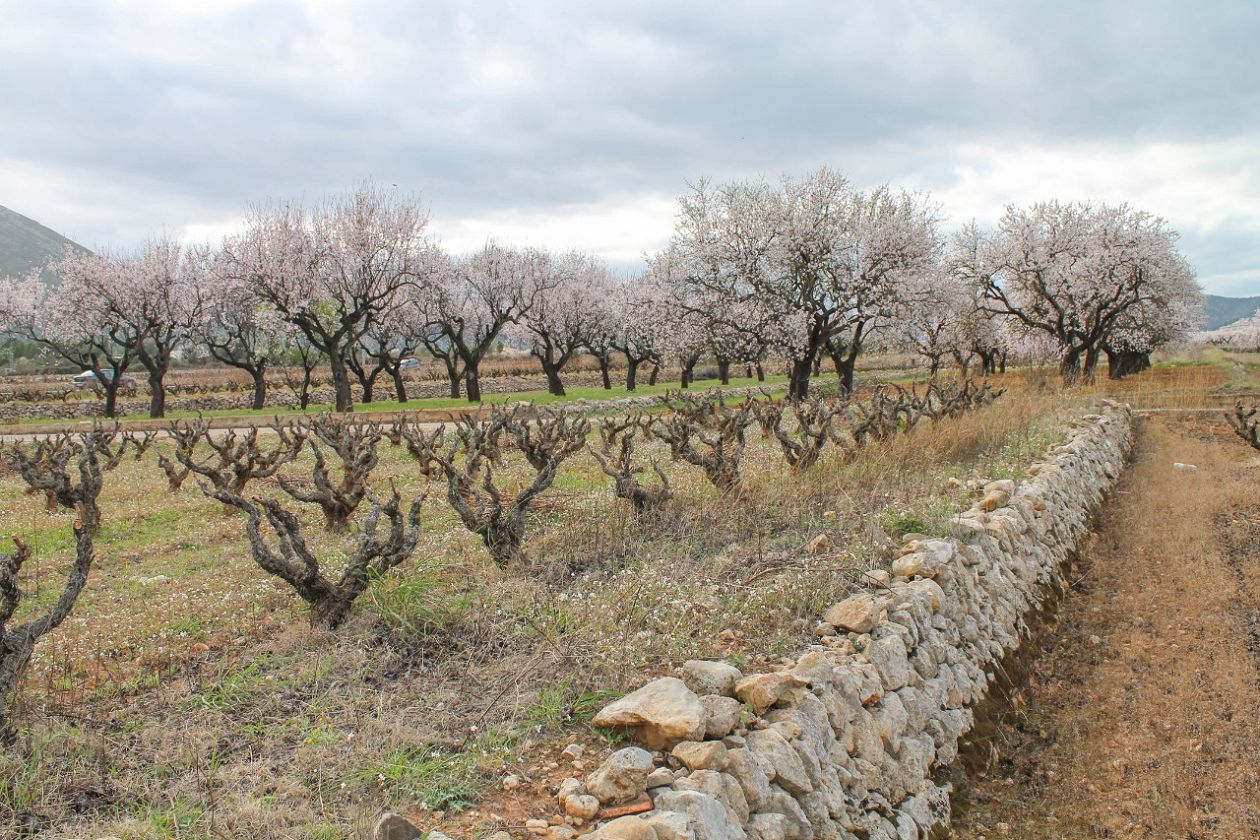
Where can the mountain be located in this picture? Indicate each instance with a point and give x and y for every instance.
(26, 244)
(1220, 311)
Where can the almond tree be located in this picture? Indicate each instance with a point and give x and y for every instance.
(396, 334)
(639, 305)
(332, 271)
(72, 320)
(160, 301)
(561, 322)
(1243, 334)
(236, 328)
(600, 335)
(823, 260)
(480, 296)
(1158, 321)
(1072, 271)
(937, 319)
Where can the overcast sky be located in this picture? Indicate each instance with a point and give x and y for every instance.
(577, 124)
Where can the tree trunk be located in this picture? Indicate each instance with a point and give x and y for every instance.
(554, 386)
(846, 370)
(400, 387)
(632, 373)
(259, 375)
(604, 371)
(724, 372)
(688, 371)
(761, 373)
(304, 396)
(1092, 355)
(474, 385)
(798, 377)
(656, 368)
(1070, 367)
(343, 397)
(1122, 363)
(454, 378)
(111, 394)
(330, 611)
(845, 366)
(157, 392)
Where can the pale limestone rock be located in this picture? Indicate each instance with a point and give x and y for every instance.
(705, 677)
(707, 817)
(622, 776)
(660, 714)
(855, 614)
(632, 827)
(781, 762)
(761, 691)
(722, 715)
(701, 755)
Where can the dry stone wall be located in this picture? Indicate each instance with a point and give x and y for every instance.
(853, 738)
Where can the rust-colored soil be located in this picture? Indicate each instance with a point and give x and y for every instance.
(1143, 715)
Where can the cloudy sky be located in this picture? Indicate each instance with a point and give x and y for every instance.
(577, 124)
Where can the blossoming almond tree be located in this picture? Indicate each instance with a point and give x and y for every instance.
(825, 259)
(1072, 271)
(477, 298)
(332, 271)
(236, 328)
(557, 327)
(72, 320)
(158, 298)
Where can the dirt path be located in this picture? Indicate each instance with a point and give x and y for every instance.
(1143, 715)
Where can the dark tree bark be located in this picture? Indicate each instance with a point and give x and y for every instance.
(1122, 363)
(48, 470)
(355, 448)
(296, 564)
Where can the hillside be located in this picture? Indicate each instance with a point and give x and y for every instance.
(25, 243)
(1220, 311)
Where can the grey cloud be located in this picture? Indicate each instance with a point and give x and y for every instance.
(277, 99)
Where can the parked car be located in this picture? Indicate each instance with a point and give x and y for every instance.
(87, 379)
(409, 364)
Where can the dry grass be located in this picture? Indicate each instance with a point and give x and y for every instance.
(199, 705)
(186, 695)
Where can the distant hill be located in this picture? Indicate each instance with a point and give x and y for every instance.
(26, 244)
(1220, 311)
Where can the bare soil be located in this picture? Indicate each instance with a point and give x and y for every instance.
(1140, 718)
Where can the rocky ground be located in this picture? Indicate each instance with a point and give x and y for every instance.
(1140, 717)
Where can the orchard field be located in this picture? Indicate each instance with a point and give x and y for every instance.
(342, 522)
(188, 694)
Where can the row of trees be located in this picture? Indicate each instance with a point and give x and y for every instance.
(795, 272)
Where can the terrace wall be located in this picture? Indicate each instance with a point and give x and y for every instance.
(856, 737)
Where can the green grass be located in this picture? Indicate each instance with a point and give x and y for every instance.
(539, 397)
(240, 686)
(438, 779)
